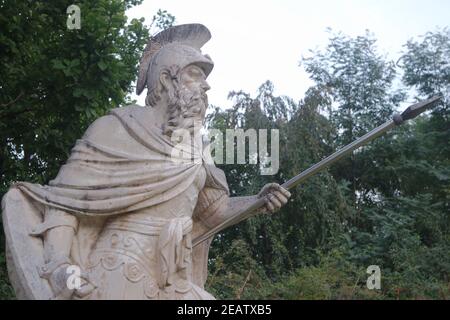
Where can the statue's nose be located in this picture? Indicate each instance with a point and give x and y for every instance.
(205, 86)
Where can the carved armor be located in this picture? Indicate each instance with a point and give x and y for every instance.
(150, 255)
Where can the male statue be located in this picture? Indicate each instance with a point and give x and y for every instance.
(121, 213)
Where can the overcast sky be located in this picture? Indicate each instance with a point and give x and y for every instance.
(255, 41)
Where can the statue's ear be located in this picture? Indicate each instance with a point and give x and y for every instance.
(166, 81)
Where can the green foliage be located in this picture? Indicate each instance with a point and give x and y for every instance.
(161, 20)
(357, 81)
(386, 205)
(56, 81)
(235, 274)
(280, 243)
(425, 63)
(6, 291)
(332, 278)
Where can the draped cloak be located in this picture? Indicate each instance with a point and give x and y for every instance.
(122, 164)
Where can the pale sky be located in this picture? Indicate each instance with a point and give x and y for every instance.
(254, 41)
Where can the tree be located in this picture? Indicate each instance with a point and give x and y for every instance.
(399, 183)
(274, 245)
(357, 81)
(56, 81)
(161, 21)
(426, 66)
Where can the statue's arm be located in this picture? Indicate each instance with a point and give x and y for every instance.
(59, 238)
(226, 210)
(214, 206)
(57, 232)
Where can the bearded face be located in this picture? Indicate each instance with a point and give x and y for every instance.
(187, 101)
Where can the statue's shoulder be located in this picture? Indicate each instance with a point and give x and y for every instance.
(133, 110)
(112, 123)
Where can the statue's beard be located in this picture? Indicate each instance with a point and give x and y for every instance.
(186, 111)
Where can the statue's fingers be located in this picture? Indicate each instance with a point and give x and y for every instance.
(85, 290)
(84, 275)
(271, 187)
(269, 205)
(281, 197)
(274, 200)
(284, 191)
(264, 191)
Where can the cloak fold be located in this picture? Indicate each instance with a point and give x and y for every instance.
(100, 179)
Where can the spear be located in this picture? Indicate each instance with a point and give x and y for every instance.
(410, 113)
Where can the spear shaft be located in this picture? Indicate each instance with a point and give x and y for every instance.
(410, 113)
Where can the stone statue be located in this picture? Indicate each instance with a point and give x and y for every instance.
(125, 206)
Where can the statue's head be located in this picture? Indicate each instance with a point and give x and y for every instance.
(174, 70)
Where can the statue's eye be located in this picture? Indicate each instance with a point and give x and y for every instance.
(196, 72)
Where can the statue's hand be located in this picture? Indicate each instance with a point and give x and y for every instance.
(86, 287)
(60, 283)
(275, 196)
